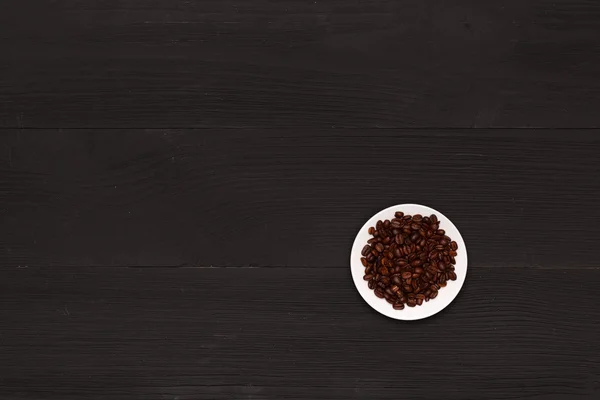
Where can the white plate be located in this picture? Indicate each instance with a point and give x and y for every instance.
(445, 294)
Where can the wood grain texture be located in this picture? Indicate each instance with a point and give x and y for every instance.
(297, 63)
(281, 333)
(289, 198)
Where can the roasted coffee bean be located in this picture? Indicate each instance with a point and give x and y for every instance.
(384, 280)
(390, 300)
(371, 230)
(384, 271)
(379, 293)
(419, 301)
(433, 295)
(406, 275)
(411, 303)
(417, 217)
(371, 285)
(416, 263)
(365, 250)
(386, 223)
(363, 261)
(441, 232)
(415, 227)
(433, 218)
(407, 288)
(414, 237)
(396, 224)
(397, 280)
(368, 277)
(452, 276)
(399, 214)
(399, 239)
(418, 270)
(398, 306)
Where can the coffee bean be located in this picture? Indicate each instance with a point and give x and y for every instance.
(407, 288)
(411, 303)
(379, 247)
(416, 263)
(363, 261)
(406, 275)
(368, 277)
(395, 224)
(371, 230)
(366, 250)
(415, 237)
(398, 306)
(397, 280)
(379, 293)
(418, 270)
(441, 232)
(384, 271)
(454, 245)
(399, 214)
(433, 295)
(415, 227)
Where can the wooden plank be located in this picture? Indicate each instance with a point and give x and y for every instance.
(291, 333)
(296, 63)
(271, 197)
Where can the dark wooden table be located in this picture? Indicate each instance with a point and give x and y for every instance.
(181, 182)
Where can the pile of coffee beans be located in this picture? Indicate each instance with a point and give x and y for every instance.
(408, 259)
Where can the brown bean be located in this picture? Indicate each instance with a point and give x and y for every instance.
(419, 302)
(441, 232)
(415, 236)
(384, 271)
(397, 280)
(406, 275)
(398, 306)
(368, 277)
(418, 270)
(416, 263)
(379, 293)
(371, 285)
(415, 227)
(363, 261)
(371, 230)
(407, 288)
(433, 295)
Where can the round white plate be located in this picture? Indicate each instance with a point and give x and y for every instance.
(445, 294)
